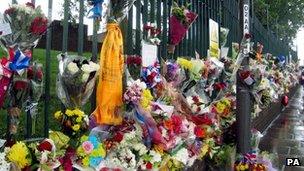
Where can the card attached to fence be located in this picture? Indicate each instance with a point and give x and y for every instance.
(5, 29)
(149, 54)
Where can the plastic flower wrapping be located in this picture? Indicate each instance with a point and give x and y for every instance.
(27, 24)
(76, 80)
(74, 122)
(180, 21)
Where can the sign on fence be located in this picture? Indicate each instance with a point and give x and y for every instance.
(214, 38)
(246, 19)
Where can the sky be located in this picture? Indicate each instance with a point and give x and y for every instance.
(57, 6)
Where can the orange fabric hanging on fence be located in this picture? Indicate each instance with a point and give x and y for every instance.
(109, 90)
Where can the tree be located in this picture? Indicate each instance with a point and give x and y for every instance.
(286, 17)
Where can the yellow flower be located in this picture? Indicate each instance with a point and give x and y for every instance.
(184, 63)
(76, 127)
(102, 150)
(69, 112)
(204, 150)
(79, 119)
(84, 138)
(86, 161)
(19, 154)
(146, 99)
(78, 112)
(58, 115)
(80, 151)
(220, 107)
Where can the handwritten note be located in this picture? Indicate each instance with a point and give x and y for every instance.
(149, 54)
(5, 29)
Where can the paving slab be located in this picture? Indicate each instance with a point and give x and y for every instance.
(285, 136)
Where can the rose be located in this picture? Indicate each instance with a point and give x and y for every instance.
(199, 132)
(45, 145)
(87, 147)
(39, 26)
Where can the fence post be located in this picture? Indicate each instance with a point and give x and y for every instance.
(94, 59)
(47, 71)
(243, 111)
(80, 28)
(65, 26)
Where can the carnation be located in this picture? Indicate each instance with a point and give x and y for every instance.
(72, 68)
(182, 155)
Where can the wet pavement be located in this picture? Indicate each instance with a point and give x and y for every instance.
(285, 136)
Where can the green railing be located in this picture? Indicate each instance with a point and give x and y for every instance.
(225, 12)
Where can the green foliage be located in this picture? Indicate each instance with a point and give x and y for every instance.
(286, 17)
(39, 55)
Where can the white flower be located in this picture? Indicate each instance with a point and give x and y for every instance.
(91, 67)
(141, 148)
(72, 68)
(85, 77)
(4, 165)
(156, 157)
(44, 157)
(182, 155)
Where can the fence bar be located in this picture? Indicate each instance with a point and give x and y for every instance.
(80, 28)
(152, 11)
(165, 29)
(65, 27)
(94, 59)
(48, 72)
(138, 27)
(130, 32)
(145, 16)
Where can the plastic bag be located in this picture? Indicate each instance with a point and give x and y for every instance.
(76, 80)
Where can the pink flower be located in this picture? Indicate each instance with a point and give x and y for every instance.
(87, 147)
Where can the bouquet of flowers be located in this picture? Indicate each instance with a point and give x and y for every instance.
(19, 155)
(27, 24)
(134, 64)
(35, 77)
(76, 80)
(91, 152)
(74, 122)
(45, 155)
(180, 21)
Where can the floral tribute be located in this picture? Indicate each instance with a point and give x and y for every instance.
(21, 77)
(27, 23)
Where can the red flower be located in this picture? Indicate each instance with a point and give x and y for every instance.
(21, 85)
(201, 120)
(45, 146)
(199, 132)
(149, 166)
(195, 99)
(9, 11)
(118, 137)
(29, 4)
(177, 123)
(39, 25)
(244, 74)
(32, 74)
(134, 60)
(247, 36)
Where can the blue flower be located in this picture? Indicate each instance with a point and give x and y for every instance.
(94, 141)
(94, 161)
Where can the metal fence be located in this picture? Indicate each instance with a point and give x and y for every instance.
(225, 12)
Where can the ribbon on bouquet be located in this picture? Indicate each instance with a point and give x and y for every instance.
(151, 75)
(19, 61)
(96, 10)
(143, 118)
(5, 76)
